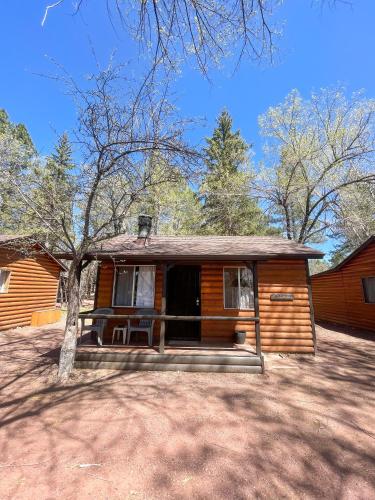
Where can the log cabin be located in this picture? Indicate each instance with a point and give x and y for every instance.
(345, 294)
(205, 289)
(29, 279)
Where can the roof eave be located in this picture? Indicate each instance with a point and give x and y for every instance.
(190, 257)
(6, 245)
(347, 259)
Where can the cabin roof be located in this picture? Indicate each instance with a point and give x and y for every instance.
(347, 259)
(199, 247)
(18, 242)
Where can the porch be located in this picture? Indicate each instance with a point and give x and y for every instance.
(203, 358)
(224, 357)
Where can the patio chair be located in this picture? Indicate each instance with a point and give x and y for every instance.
(99, 326)
(143, 325)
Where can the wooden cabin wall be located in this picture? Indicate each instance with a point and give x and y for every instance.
(212, 304)
(104, 297)
(329, 298)
(33, 286)
(285, 326)
(338, 295)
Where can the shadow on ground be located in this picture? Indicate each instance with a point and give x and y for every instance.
(305, 429)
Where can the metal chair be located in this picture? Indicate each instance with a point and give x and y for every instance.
(143, 325)
(99, 326)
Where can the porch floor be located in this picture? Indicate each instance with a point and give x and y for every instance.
(203, 350)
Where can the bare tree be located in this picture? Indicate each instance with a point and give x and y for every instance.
(315, 150)
(207, 30)
(121, 129)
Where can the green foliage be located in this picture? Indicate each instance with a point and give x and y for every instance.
(318, 266)
(354, 219)
(316, 149)
(228, 208)
(174, 207)
(54, 190)
(16, 153)
(226, 150)
(18, 131)
(60, 163)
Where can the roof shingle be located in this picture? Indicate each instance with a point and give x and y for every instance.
(198, 247)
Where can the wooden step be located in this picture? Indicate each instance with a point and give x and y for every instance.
(169, 366)
(200, 359)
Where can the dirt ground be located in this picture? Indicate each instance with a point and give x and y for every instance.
(304, 429)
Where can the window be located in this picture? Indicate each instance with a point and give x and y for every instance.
(238, 288)
(4, 280)
(369, 289)
(134, 286)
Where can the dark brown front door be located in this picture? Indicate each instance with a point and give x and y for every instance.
(183, 299)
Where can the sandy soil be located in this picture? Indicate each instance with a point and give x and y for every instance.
(304, 429)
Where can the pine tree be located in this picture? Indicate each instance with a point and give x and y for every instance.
(56, 187)
(174, 207)
(16, 152)
(227, 207)
(18, 131)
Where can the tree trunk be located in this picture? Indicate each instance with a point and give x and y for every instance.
(68, 348)
(288, 224)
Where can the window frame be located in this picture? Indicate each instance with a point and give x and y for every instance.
(364, 289)
(7, 282)
(239, 288)
(133, 284)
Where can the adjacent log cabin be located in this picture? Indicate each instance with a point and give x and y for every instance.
(345, 294)
(29, 279)
(209, 277)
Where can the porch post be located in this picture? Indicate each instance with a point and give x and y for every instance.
(163, 310)
(309, 291)
(97, 285)
(256, 308)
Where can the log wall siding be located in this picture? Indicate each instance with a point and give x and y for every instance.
(338, 295)
(284, 326)
(212, 304)
(104, 297)
(33, 286)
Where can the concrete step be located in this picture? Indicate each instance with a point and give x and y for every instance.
(158, 366)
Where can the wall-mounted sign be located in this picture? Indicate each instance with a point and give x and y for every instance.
(282, 297)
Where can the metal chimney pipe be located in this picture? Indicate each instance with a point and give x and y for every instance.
(144, 226)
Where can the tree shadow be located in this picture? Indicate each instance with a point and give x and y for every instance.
(307, 432)
(304, 429)
(347, 330)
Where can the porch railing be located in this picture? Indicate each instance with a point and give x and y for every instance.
(167, 317)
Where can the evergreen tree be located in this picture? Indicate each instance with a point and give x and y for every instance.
(56, 188)
(227, 207)
(174, 207)
(16, 152)
(18, 131)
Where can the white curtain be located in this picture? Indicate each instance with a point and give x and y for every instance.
(145, 286)
(231, 288)
(124, 286)
(246, 289)
(238, 288)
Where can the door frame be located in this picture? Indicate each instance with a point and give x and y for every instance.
(199, 268)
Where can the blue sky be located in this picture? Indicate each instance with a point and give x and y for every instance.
(318, 49)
